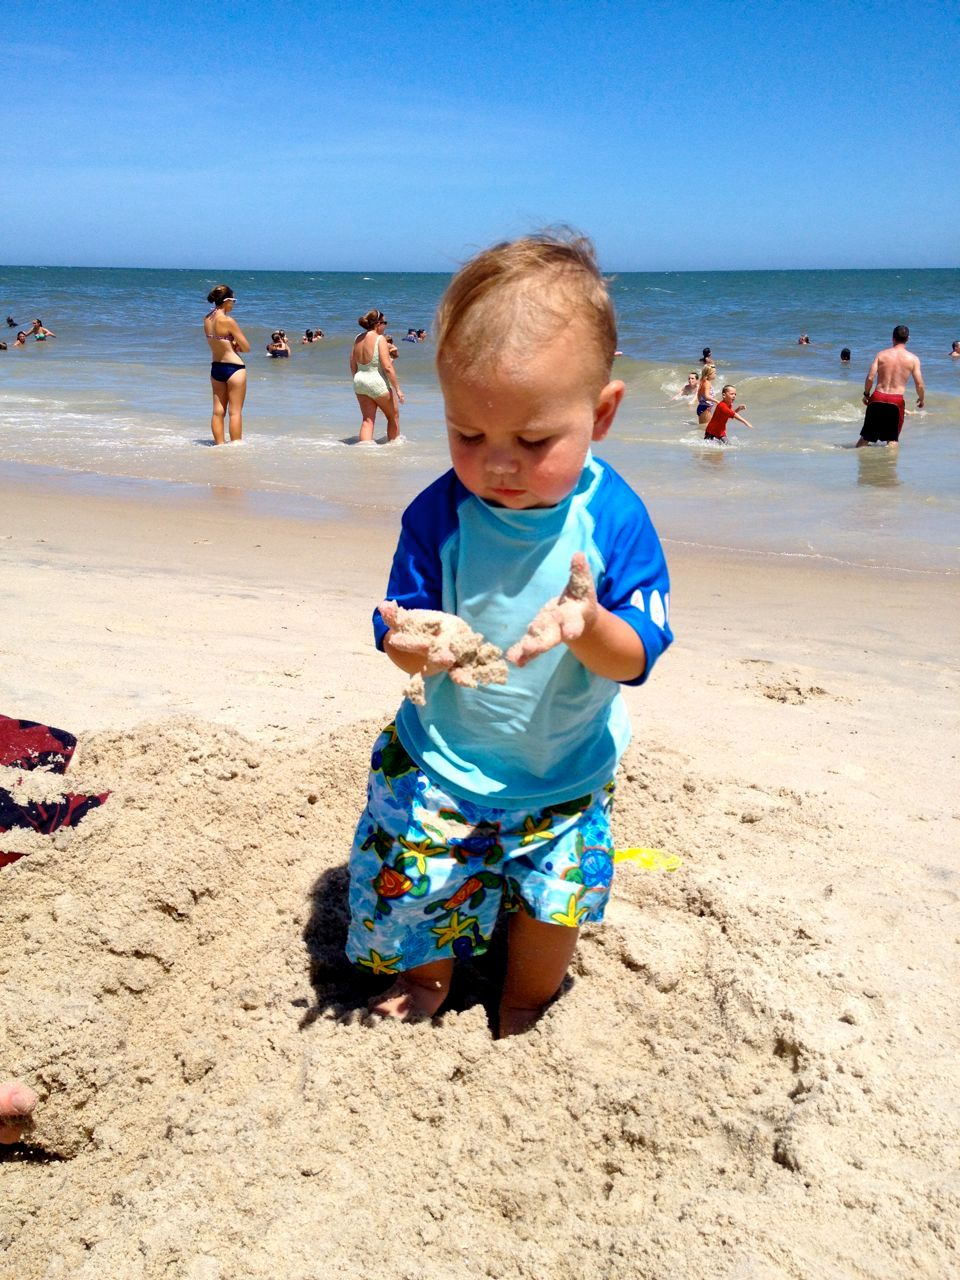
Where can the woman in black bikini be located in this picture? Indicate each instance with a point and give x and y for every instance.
(228, 373)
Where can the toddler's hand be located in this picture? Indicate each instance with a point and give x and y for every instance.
(562, 619)
(444, 642)
(424, 632)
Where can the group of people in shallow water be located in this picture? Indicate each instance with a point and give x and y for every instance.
(883, 392)
(36, 331)
(712, 414)
(278, 348)
(371, 366)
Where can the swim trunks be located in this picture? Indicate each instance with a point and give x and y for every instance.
(883, 420)
(223, 370)
(430, 871)
(368, 380)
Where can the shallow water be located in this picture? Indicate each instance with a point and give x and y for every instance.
(123, 391)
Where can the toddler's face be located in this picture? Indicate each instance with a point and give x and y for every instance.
(519, 430)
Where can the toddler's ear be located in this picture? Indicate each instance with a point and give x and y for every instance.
(605, 410)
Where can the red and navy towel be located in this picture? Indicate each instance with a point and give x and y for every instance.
(24, 744)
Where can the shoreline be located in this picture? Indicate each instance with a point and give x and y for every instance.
(297, 509)
(118, 610)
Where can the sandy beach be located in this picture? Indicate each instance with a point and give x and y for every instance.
(752, 1073)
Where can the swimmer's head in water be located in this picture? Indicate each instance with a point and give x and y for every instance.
(845, 355)
(706, 353)
(901, 334)
(219, 294)
(515, 297)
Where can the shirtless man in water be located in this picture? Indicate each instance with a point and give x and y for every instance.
(892, 369)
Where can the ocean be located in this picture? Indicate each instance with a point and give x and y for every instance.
(120, 400)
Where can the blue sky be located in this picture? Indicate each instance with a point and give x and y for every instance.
(402, 136)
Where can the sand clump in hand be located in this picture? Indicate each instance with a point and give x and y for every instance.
(544, 632)
(451, 644)
(719, 1091)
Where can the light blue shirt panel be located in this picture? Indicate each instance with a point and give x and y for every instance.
(555, 730)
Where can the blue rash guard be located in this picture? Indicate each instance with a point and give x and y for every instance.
(555, 730)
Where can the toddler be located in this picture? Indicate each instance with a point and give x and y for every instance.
(492, 790)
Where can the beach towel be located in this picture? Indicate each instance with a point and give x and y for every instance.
(25, 744)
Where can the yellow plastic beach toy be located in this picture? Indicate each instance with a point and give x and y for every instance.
(649, 859)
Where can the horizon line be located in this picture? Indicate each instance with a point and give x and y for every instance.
(653, 271)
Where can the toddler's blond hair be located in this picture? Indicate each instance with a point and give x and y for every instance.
(520, 292)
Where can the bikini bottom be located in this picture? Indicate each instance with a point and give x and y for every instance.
(223, 370)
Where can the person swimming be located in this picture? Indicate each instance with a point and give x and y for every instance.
(689, 387)
(38, 332)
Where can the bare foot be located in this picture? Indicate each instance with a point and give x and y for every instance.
(514, 1021)
(410, 996)
(17, 1102)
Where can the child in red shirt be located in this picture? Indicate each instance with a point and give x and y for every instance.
(725, 410)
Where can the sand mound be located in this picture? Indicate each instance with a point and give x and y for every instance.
(711, 1097)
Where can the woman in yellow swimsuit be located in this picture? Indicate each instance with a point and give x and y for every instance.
(228, 373)
(374, 376)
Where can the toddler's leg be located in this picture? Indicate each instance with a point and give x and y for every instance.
(419, 990)
(538, 956)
